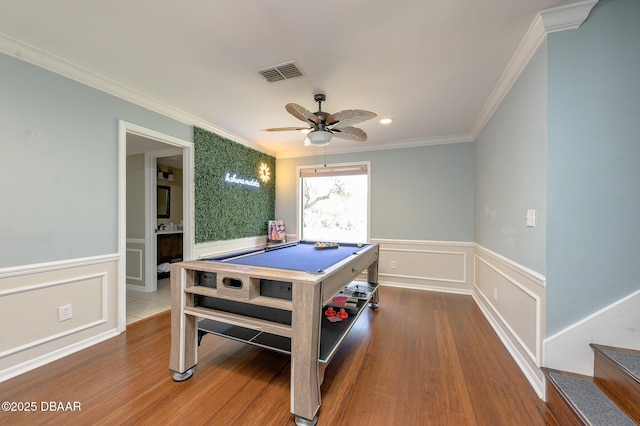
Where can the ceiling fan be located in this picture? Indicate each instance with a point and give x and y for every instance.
(322, 125)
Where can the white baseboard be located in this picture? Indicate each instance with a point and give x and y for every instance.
(615, 325)
(438, 289)
(139, 288)
(32, 295)
(527, 365)
(523, 291)
(512, 298)
(468, 269)
(34, 363)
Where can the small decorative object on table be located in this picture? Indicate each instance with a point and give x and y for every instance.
(330, 312)
(324, 245)
(277, 234)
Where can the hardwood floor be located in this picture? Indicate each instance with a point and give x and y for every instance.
(422, 358)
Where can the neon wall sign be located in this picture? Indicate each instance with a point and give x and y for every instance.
(264, 173)
(229, 178)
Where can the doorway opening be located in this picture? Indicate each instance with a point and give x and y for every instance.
(149, 160)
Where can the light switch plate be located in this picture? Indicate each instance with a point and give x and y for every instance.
(531, 218)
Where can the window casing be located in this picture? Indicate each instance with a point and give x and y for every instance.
(333, 203)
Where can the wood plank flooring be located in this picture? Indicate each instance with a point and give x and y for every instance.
(422, 358)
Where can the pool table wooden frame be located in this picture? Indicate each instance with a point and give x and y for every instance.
(310, 292)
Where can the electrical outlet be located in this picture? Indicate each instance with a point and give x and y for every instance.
(495, 294)
(65, 313)
(393, 264)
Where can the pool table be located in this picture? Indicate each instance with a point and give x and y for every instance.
(274, 297)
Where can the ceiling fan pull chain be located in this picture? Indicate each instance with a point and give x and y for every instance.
(325, 156)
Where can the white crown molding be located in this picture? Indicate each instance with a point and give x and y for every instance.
(533, 38)
(550, 20)
(407, 143)
(560, 18)
(567, 17)
(43, 59)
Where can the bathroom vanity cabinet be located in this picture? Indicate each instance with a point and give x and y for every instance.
(169, 247)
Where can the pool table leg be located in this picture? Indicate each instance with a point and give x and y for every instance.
(321, 368)
(181, 377)
(372, 278)
(183, 355)
(305, 350)
(373, 303)
(304, 422)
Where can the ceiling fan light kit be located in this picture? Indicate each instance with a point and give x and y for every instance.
(323, 126)
(319, 137)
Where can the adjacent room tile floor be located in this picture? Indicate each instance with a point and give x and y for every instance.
(142, 305)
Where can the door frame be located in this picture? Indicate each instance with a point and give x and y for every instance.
(125, 128)
(151, 214)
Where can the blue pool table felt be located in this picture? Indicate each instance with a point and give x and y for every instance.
(300, 257)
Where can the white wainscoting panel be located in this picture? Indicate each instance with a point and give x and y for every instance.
(216, 248)
(31, 296)
(426, 265)
(135, 259)
(135, 273)
(513, 299)
(86, 294)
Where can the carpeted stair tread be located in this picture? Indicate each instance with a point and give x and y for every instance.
(631, 362)
(590, 401)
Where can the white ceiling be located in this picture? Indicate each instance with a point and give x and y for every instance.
(430, 65)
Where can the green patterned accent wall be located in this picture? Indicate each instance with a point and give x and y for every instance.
(229, 204)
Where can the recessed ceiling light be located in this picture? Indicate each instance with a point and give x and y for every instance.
(386, 121)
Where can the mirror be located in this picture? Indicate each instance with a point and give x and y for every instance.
(164, 201)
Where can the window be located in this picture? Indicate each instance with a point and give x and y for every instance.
(334, 203)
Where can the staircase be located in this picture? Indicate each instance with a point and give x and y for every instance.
(610, 398)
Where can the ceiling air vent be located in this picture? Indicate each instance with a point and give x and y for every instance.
(280, 72)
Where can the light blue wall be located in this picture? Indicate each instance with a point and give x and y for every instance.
(510, 170)
(421, 193)
(593, 163)
(59, 171)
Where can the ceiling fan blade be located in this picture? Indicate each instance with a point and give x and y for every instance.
(283, 129)
(301, 113)
(350, 133)
(349, 117)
